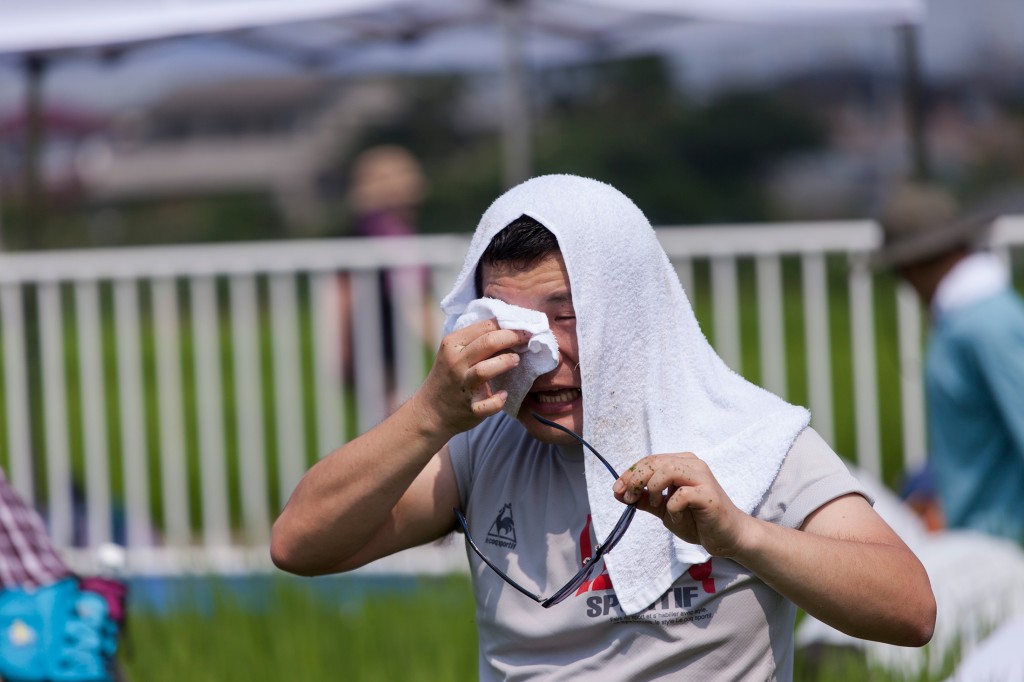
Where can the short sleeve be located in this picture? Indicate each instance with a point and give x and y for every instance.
(810, 476)
(469, 450)
(462, 464)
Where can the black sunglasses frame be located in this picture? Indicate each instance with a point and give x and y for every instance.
(588, 563)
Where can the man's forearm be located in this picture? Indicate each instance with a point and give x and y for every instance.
(870, 590)
(339, 514)
(345, 498)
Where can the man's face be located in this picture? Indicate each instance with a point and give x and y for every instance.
(555, 395)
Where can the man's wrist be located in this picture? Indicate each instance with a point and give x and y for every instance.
(427, 420)
(751, 539)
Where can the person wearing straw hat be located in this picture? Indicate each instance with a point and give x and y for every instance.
(974, 362)
(632, 508)
(387, 188)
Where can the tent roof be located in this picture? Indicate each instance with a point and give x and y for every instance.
(61, 25)
(53, 25)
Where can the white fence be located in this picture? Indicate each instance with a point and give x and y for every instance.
(170, 398)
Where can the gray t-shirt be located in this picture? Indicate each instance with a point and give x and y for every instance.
(526, 505)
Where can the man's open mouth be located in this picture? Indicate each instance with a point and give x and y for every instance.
(564, 395)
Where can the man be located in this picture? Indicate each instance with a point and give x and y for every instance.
(706, 578)
(974, 364)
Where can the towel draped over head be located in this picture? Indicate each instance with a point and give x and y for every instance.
(651, 382)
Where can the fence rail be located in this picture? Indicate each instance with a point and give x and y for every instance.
(169, 398)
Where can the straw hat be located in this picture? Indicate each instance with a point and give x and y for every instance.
(386, 177)
(922, 221)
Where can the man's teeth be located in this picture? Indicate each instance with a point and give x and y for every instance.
(559, 396)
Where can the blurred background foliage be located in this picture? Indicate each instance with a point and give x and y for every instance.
(682, 161)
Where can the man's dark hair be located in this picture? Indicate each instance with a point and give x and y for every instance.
(519, 244)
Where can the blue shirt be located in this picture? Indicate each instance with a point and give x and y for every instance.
(974, 374)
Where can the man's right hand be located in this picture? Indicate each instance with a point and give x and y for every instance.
(457, 394)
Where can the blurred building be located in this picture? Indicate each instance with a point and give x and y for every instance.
(65, 129)
(973, 138)
(275, 136)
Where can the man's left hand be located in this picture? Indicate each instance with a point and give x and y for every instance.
(681, 490)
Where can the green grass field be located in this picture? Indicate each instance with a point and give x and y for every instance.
(423, 631)
(297, 634)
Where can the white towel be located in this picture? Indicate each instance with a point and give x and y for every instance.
(538, 356)
(651, 382)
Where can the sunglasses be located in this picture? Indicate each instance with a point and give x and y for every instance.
(589, 563)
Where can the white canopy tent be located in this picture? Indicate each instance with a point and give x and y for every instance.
(401, 36)
(56, 25)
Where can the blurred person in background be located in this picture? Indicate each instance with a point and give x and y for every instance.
(386, 189)
(917, 491)
(54, 625)
(568, 319)
(974, 363)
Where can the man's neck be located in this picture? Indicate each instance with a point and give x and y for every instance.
(927, 277)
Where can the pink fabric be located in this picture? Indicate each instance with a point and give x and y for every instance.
(113, 591)
(27, 557)
(383, 224)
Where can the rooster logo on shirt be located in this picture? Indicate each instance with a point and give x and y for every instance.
(503, 530)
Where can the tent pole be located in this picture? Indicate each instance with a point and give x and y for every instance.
(516, 123)
(914, 102)
(34, 204)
